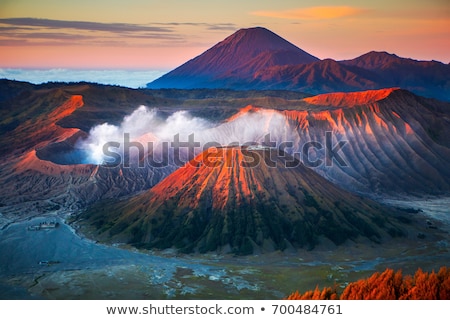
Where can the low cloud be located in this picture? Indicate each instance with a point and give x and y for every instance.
(222, 26)
(52, 36)
(210, 26)
(126, 78)
(312, 13)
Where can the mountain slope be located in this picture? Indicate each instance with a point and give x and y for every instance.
(395, 141)
(374, 70)
(239, 56)
(223, 200)
(258, 59)
(317, 77)
(427, 78)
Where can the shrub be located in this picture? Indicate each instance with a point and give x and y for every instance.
(388, 285)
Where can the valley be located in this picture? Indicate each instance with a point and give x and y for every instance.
(43, 178)
(249, 172)
(80, 268)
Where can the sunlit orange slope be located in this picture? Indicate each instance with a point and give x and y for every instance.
(349, 99)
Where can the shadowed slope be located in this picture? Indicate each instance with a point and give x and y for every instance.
(426, 78)
(317, 77)
(375, 70)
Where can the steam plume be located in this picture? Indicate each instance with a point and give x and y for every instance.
(146, 125)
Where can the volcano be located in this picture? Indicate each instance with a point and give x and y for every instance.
(238, 56)
(397, 141)
(242, 200)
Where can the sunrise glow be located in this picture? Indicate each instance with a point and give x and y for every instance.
(150, 36)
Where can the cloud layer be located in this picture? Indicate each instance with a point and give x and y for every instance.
(34, 31)
(81, 25)
(126, 78)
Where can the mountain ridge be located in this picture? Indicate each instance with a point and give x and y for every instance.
(396, 145)
(350, 99)
(237, 63)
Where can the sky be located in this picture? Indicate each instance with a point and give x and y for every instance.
(157, 36)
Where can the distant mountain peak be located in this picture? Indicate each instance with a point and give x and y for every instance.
(374, 60)
(257, 40)
(374, 53)
(242, 53)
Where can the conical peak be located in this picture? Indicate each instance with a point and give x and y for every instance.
(258, 39)
(240, 54)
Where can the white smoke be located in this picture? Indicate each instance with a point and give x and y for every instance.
(253, 128)
(146, 125)
(143, 125)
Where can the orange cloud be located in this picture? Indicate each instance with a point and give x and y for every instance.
(312, 13)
